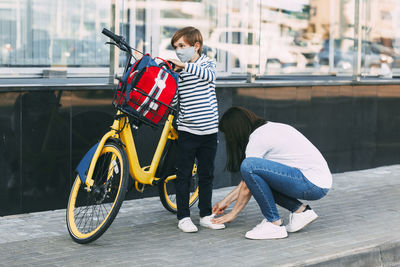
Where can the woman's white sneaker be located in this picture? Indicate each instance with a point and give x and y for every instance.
(298, 221)
(267, 230)
(206, 222)
(187, 226)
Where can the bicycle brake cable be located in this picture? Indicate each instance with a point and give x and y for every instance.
(119, 116)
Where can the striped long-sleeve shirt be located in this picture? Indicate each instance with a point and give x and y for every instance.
(198, 108)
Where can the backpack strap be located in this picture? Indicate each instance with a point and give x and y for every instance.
(129, 75)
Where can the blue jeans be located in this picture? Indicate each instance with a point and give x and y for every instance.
(274, 183)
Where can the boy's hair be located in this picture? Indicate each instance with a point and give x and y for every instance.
(191, 35)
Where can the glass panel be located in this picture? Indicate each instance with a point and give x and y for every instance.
(236, 36)
(296, 36)
(334, 23)
(229, 29)
(285, 36)
(381, 39)
(45, 33)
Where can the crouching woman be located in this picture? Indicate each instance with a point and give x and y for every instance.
(278, 166)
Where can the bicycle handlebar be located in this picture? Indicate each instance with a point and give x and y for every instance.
(119, 41)
(112, 35)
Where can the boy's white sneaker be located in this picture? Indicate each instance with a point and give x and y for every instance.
(187, 226)
(298, 221)
(206, 222)
(267, 230)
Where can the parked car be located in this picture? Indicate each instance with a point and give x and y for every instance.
(244, 49)
(344, 53)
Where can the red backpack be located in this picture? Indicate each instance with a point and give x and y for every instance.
(147, 90)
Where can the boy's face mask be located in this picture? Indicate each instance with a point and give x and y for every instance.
(185, 54)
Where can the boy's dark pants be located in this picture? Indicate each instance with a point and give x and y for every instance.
(191, 147)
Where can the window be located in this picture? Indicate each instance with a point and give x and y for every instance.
(262, 37)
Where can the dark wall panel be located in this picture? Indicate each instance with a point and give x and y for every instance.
(45, 149)
(10, 154)
(45, 133)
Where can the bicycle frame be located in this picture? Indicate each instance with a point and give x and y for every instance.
(121, 130)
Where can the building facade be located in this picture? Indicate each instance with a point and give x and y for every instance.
(327, 67)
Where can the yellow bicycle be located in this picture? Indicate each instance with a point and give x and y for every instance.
(103, 174)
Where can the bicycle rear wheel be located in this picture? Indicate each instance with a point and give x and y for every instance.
(90, 213)
(166, 190)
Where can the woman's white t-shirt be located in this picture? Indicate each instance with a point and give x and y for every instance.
(284, 144)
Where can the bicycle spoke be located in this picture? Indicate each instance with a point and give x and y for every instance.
(82, 220)
(89, 216)
(91, 212)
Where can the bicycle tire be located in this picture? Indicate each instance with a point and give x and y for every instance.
(90, 214)
(166, 190)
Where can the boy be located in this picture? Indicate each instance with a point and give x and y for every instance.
(197, 126)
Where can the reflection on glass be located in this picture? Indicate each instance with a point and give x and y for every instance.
(381, 21)
(44, 33)
(249, 36)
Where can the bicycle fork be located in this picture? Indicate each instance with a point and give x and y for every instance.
(86, 166)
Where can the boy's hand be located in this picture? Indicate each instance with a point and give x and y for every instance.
(178, 64)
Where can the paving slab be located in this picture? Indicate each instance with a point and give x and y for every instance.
(358, 225)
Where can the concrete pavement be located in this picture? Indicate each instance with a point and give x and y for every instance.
(358, 225)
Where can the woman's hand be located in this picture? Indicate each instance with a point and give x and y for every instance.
(178, 64)
(220, 207)
(241, 194)
(227, 218)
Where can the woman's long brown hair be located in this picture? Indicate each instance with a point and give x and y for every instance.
(237, 123)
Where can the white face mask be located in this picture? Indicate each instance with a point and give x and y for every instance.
(185, 54)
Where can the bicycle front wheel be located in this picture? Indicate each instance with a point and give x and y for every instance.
(167, 191)
(91, 212)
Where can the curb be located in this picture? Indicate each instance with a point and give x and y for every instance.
(385, 254)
